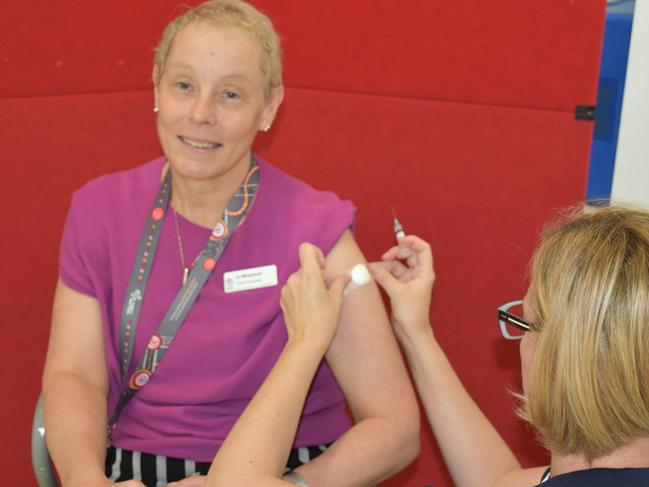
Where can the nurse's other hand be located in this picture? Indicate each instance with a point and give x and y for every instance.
(124, 483)
(311, 309)
(193, 481)
(104, 482)
(409, 285)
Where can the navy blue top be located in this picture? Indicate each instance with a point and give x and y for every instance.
(596, 477)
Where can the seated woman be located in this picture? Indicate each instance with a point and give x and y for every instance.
(584, 359)
(166, 317)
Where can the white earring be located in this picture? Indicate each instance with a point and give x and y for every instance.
(266, 128)
(156, 109)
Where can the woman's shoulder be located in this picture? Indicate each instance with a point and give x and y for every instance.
(306, 214)
(288, 190)
(115, 199)
(134, 180)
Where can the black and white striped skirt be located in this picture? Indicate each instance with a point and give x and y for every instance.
(157, 470)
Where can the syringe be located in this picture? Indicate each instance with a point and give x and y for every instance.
(399, 233)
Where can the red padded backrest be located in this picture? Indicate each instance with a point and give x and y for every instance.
(540, 54)
(458, 114)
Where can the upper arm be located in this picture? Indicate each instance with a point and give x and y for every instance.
(76, 342)
(364, 355)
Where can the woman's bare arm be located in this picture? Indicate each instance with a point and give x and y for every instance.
(473, 450)
(366, 361)
(75, 386)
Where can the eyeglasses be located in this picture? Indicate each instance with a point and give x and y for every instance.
(512, 326)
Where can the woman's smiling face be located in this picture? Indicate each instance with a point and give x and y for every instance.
(212, 102)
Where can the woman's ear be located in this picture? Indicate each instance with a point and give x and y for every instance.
(154, 77)
(272, 105)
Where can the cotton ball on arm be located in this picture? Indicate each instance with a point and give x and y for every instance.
(360, 275)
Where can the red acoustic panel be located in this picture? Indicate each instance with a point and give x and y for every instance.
(541, 54)
(477, 181)
(49, 48)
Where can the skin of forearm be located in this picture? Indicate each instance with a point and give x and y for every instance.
(256, 449)
(345, 463)
(75, 425)
(384, 439)
(472, 448)
(369, 368)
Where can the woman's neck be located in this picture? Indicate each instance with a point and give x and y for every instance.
(202, 201)
(632, 455)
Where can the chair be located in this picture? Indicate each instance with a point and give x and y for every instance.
(41, 462)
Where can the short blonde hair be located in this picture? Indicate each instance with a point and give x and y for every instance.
(588, 391)
(228, 14)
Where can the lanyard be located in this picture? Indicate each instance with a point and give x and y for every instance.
(205, 263)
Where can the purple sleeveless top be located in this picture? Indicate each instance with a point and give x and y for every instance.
(229, 342)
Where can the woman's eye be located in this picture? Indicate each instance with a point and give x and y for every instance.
(183, 86)
(231, 95)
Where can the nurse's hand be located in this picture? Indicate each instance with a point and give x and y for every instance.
(408, 284)
(193, 481)
(311, 308)
(108, 483)
(104, 482)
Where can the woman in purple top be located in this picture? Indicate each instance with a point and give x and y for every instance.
(183, 259)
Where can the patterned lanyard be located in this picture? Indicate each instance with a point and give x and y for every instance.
(205, 263)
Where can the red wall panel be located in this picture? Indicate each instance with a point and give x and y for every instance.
(505, 52)
(540, 53)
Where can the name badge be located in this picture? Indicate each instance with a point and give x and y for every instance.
(247, 279)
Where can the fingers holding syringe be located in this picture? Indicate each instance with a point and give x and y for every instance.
(397, 269)
(419, 262)
(409, 285)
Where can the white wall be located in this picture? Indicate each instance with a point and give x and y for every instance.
(631, 176)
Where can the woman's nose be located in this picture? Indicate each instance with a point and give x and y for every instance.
(203, 110)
